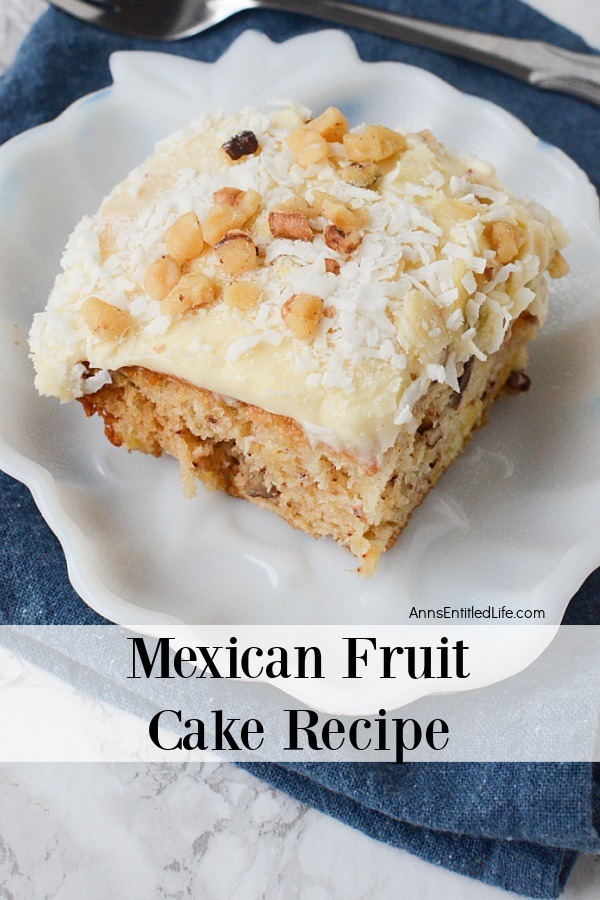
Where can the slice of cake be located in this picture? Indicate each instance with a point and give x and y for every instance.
(312, 318)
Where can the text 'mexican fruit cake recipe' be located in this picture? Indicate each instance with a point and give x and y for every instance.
(313, 318)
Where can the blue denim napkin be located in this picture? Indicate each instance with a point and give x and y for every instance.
(513, 825)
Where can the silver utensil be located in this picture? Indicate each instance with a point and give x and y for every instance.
(535, 62)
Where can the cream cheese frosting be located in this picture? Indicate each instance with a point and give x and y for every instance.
(422, 293)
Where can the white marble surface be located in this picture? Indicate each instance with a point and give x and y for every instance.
(112, 831)
(106, 832)
(208, 831)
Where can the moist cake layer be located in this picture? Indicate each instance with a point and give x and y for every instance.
(328, 277)
(267, 459)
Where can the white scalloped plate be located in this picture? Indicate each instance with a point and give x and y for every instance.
(516, 522)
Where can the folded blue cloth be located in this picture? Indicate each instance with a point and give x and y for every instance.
(513, 825)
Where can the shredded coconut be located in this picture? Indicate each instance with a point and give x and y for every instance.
(420, 239)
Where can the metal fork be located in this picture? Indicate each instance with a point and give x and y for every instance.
(535, 62)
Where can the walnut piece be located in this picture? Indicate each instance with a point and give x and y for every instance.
(184, 238)
(332, 124)
(361, 174)
(234, 213)
(333, 266)
(255, 486)
(302, 314)
(338, 213)
(374, 143)
(227, 196)
(340, 241)
(104, 319)
(193, 291)
(505, 238)
(295, 205)
(517, 382)
(489, 273)
(161, 276)
(243, 144)
(237, 252)
(308, 146)
(294, 226)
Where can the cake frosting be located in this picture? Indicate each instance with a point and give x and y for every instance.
(426, 287)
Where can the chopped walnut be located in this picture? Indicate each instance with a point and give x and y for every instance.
(489, 273)
(360, 174)
(219, 219)
(332, 266)
(237, 252)
(505, 238)
(517, 382)
(340, 241)
(248, 204)
(332, 124)
(227, 196)
(223, 217)
(302, 314)
(104, 319)
(558, 266)
(184, 238)
(243, 144)
(242, 295)
(295, 205)
(294, 226)
(338, 213)
(192, 291)
(374, 143)
(307, 146)
(255, 486)
(161, 276)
